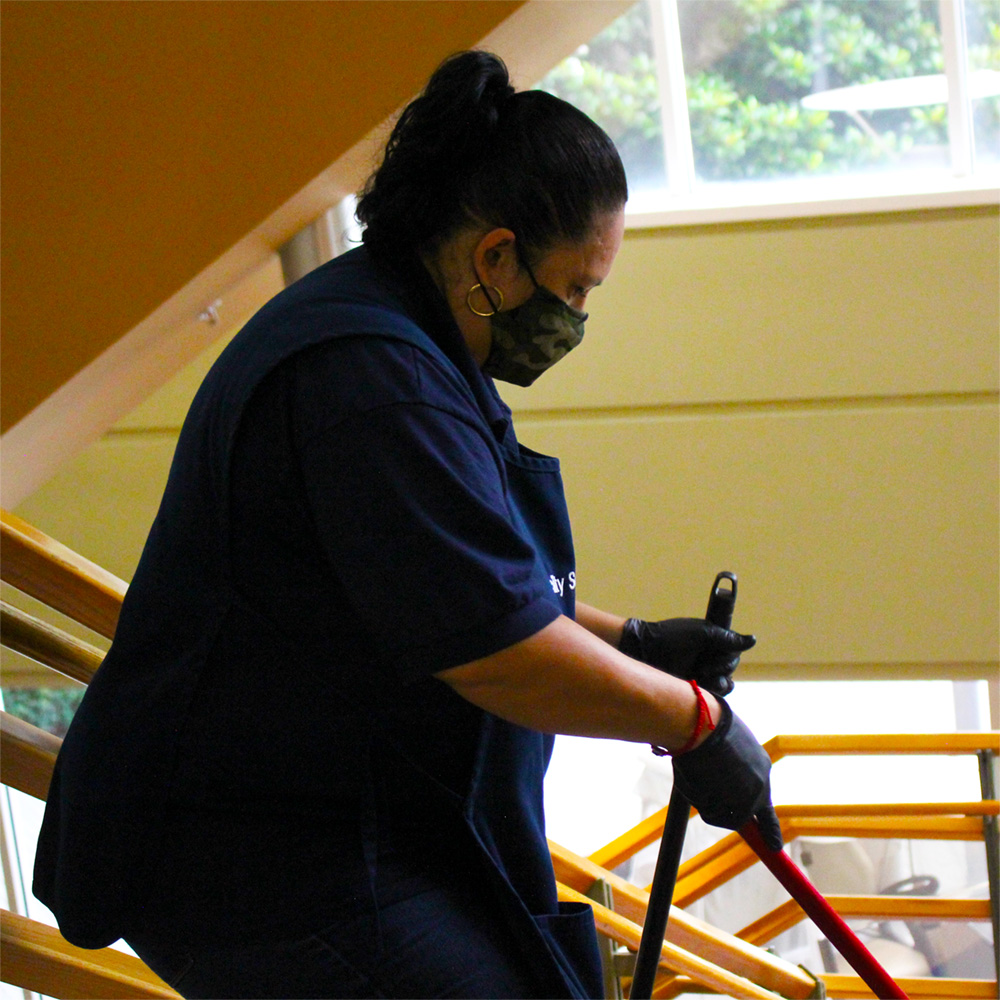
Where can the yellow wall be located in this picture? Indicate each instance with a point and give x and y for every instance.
(141, 141)
(810, 403)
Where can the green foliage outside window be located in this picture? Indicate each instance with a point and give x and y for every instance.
(51, 709)
(747, 65)
(613, 79)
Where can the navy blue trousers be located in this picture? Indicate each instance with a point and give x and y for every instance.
(440, 943)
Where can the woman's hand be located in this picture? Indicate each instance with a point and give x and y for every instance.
(689, 648)
(565, 679)
(727, 779)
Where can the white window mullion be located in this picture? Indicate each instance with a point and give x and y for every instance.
(956, 68)
(676, 125)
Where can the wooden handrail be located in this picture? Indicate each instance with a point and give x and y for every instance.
(882, 743)
(48, 645)
(38, 958)
(729, 855)
(707, 974)
(841, 987)
(649, 830)
(683, 930)
(27, 756)
(773, 923)
(937, 908)
(911, 907)
(882, 827)
(57, 576)
(979, 807)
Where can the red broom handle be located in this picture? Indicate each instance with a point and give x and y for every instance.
(823, 916)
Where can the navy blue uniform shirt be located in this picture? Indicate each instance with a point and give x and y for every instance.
(348, 512)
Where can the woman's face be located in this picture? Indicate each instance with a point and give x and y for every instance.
(571, 270)
(492, 260)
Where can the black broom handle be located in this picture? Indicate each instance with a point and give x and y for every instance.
(661, 892)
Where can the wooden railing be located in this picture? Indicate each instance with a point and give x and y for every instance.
(730, 856)
(48, 645)
(35, 956)
(50, 572)
(38, 958)
(710, 958)
(694, 957)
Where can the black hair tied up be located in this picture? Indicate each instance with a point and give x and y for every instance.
(469, 150)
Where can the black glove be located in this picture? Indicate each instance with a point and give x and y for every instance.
(690, 648)
(727, 779)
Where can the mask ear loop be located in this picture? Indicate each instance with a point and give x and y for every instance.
(494, 309)
(524, 264)
(581, 316)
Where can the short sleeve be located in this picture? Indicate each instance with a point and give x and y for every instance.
(408, 496)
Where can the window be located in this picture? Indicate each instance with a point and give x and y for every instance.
(722, 104)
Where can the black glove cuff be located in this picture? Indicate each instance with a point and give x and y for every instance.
(631, 641)
(726, 777)
(715, 737)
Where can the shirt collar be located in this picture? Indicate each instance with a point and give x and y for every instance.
(429, 308)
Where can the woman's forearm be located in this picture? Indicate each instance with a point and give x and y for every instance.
(565, 679)
(603, 624)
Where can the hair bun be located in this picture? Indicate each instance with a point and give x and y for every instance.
(496, 88)
(471, 89)
(466, 151)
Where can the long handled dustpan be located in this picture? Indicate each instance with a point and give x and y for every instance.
(720, 612)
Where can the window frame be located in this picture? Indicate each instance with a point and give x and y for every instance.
(685, 202)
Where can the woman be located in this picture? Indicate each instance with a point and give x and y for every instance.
(311, 764)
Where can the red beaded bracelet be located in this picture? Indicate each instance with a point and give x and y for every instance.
(704, 719)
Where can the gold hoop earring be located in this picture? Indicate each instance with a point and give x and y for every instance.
(472, 308)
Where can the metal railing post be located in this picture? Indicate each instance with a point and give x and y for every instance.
(991, 838)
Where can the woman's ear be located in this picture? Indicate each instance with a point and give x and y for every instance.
(496, 260)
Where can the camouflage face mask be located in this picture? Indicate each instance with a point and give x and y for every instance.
(530, 338)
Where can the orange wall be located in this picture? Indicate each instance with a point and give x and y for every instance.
(142, 140)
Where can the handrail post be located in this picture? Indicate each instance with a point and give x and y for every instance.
(991, 838)
(601, 892)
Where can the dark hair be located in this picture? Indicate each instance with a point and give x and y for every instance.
(471, 150)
